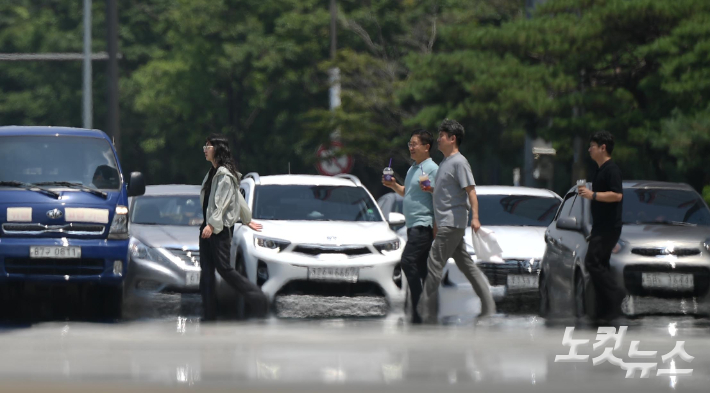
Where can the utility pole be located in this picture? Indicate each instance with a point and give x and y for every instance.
(112, 125)
(88, 106)
(334, 73)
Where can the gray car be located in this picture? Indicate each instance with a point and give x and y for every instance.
(164, 227)
(662, 259)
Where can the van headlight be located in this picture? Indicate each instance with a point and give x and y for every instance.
(389, 246)
(270, 243)
(119, 225)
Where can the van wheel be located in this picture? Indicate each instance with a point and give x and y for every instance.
(112, 299)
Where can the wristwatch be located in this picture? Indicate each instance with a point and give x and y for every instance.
(594, 196)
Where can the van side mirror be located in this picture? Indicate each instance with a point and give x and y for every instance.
(569, 223)
(136, 184)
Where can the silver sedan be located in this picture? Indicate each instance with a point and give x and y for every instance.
(662, 259)
(164, 249)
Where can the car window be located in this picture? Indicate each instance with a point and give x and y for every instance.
(181, 210)
(566, 207)
(314, 203)
(643, 206)
(516, 210)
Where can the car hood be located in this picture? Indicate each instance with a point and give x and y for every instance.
(328, 232)
(661, 235)
(517, 242)
(167, 236)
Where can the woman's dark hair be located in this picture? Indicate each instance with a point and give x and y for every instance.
(222, 157)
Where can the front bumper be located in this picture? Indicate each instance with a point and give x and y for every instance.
(96, 264)
(378, 275)
(151, 275)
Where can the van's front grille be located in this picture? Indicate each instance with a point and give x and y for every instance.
(51, 266)
(38, 229)
(189, 257)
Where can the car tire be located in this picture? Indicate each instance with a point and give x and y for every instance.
(544, 291)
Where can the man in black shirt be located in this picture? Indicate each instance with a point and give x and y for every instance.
(606, 195)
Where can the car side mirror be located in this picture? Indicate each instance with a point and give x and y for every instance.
(396, 219)
(569, 223)
(136, 184)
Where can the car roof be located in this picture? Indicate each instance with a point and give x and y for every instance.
(647, 184)
(515, 190)
(49, 131)
(305, 180)
(172, 189)
(656, 185)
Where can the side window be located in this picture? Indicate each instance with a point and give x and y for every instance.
(577, 207)
(566, 206)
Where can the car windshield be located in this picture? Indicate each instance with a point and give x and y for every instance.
(314, 203)
(85, 161)
(516, 210)
(664, 206)
(182, 210)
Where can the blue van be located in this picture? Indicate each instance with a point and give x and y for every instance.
(63, 216)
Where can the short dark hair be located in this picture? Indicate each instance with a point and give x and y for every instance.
(452, 128)
(603, 138)
(425, 137)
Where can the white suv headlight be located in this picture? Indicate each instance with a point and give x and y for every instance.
(389, 246)
(270, 243)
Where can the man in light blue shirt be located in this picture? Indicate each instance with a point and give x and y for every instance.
(418, 213)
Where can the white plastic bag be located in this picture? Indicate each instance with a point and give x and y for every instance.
(486, 246)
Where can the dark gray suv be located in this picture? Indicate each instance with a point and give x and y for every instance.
(662, 259)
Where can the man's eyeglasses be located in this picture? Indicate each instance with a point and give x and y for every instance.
(206, 147)
(410, 144)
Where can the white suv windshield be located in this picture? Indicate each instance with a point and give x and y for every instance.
(314, 203)
(46, 159)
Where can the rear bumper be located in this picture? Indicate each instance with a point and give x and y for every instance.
(96, 264)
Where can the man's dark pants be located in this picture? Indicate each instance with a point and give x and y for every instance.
(214, 255)
(414, 262)
(608, 293)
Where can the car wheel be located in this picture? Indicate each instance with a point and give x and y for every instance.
(544, 297)
(580, 296)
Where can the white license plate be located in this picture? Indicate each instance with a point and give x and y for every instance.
(675, 281)
(192, 278)
(55, 252)
(348, 274)
(522, 281)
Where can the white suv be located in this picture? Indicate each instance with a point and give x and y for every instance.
(321, 236)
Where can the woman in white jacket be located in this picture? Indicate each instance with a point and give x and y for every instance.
(222, 206)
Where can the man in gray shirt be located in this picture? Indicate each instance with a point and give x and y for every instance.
(454, 192)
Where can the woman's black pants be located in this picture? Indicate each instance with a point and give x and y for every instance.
(214, 255)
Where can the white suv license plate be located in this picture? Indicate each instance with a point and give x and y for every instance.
(347, 274)
(674, 281)
(55, 252)
(522, 281)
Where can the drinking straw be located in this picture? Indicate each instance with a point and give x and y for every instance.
(390, 165)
